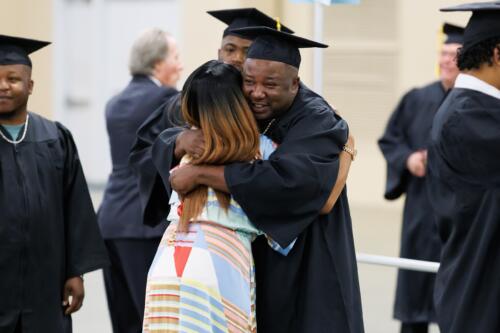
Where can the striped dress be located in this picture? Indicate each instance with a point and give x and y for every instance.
(203, 281)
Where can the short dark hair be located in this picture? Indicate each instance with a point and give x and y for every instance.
(475, 56)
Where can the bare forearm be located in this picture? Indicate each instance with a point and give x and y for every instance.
(344, 165)
(345, 160)
(191, 142)
(212, 176)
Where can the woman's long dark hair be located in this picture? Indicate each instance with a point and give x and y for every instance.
(212, 101)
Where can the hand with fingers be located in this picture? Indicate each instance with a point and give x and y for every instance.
(416, 163)
(183, 179)
(73, 288)
(190, 142)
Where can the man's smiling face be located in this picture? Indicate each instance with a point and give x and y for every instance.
(269, 86)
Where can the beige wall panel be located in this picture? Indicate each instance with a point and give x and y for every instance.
(360, 71)
(33, 19)
(378, 50)
(299, 17)
(419, 25)
(201, 33)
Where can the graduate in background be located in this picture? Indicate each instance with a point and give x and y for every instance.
(155, 68)
(48, 231)
(315, 288)
(233, 49)
(404, 145)
(464, 181)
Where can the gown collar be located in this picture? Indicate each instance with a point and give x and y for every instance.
(467, 81)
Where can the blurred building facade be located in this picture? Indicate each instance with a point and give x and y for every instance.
(378, 50)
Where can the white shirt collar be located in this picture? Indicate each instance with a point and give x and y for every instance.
(473, 83)
(155, 80)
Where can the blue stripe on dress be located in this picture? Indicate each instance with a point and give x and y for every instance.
(203, 308)
(193, 326)
(191, 290)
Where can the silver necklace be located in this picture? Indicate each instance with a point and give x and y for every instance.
(268, 126)
(15, 142)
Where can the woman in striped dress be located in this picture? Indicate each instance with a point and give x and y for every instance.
(202, 277)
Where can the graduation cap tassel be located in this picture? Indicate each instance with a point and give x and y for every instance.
(278, 24)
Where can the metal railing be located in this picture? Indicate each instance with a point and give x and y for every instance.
(403, 263)
(364, 258)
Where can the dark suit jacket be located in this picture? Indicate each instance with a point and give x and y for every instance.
(120, 211)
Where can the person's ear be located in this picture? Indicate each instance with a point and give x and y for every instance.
(496, 55)
(157, 65)
(295, 84)
(31, 83)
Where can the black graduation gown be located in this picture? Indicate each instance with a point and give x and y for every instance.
(464, 188)
(152, 192)
(315, 288)
(408, 130)
(48, 228)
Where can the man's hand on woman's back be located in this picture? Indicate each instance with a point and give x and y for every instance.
(190, 142)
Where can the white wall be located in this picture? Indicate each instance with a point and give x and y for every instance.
(93, 43)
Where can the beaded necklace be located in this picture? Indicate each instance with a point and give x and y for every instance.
(268, 126)
(15, 142)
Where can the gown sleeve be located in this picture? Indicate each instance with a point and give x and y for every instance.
(85, 249)
(152, 194)
(469, 146)
(284, 194)
(163, 160)
(394, 146)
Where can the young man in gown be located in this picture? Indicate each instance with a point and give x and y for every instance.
(48, 231)
(464, 181)
(404, 145)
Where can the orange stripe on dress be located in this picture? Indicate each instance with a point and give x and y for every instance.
(218, 239)
(228, 234)
(233, 261)
(243, 261)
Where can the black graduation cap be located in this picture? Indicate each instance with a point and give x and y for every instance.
(15, 50)
(454, 34)
(271, 44)
(245, 17)
(483, 24)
